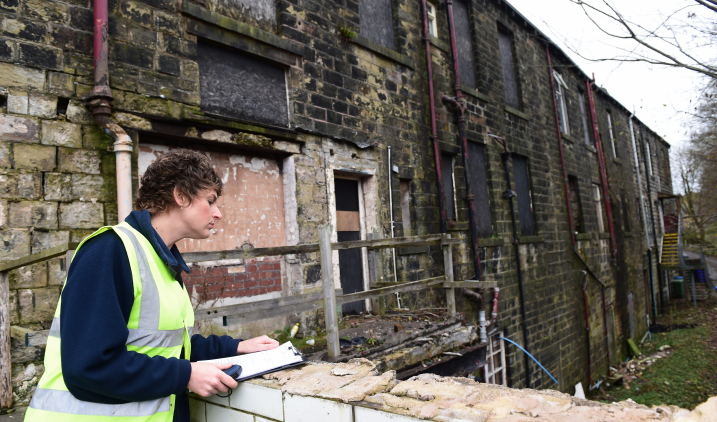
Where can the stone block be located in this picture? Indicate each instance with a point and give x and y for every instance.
(79, 160)
(42, 240)
(62, 134)
(364, 414)
(58, 187)
(111, 213)
(17, 103)
(77, 236)
(16, 244)
(93, 138)
(56, 272)
(5, 154)
(38, 305)
(28, 277)
(257, 399)
(81, 215)
(131, 120)
(312, 409)
(60, 84)
(38, 214)
(197, 410)
(15, 128)
(87, 187)
(78, 113)
(43, 106)
(42, 57)
(14, 318)
(20, 184)
(21, 78)
(35, 157)
(217, 413)
(3, 213)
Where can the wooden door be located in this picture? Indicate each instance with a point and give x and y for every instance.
(348, 227)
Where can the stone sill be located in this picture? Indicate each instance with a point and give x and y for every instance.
(567, 137)
(617, 161)
(386, 52)
(515, 112)
(440, 44)
(604, 235)
(276, 41)
(458, 226)
(590, 148)
(582, 236)
(530, 239)
(491, 241)
(475, 93)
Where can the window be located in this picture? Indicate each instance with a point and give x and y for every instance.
(464, 43)
(575, 208)
(376, 17)
(241, 86)
(560, 88)
(599, 207)
(648, 159)
(665, 166)
(406, 207)
(432, 19)
(625, 214)
(584, 117)
(449, 195)
(611, 130)
(479, 186)
(510, 83)
(525, 197)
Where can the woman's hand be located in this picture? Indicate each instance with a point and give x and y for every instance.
(257, 344)
(208, 379)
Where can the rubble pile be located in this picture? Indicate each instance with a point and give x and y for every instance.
(633, 369)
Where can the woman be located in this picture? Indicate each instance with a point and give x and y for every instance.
(121, 343)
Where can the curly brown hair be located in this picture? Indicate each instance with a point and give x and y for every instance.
(189, 171)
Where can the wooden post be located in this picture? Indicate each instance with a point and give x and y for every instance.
(5, 364)
(327, 278)
(448, 263)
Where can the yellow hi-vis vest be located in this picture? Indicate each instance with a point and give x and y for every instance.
(160, 324)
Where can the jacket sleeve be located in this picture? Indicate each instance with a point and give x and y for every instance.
(96, 304)
(213, 347)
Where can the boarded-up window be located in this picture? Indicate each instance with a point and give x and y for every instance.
(665, 166)
(449, 194)
(377, 21)
(525, 200)
(576, 208)
(252, 201)
(584, 118)
(625, 214)
(510, 82)
(479, 186)
(238, 85)
(599, 207)
(464, 43)
(406, 207)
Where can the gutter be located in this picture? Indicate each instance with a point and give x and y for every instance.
(100, 99)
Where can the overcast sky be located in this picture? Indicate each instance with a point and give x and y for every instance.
(660, 95)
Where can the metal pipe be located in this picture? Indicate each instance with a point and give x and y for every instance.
(603, 172)
(390, 206)
(587, 326)
(457, 102)
(100, 99)
(434, 136)
(494, 311)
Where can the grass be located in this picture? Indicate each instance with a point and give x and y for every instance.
(685, 379)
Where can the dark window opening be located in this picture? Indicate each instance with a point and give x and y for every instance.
(525, 196)
(62, 105)
(576, 208)
(584, 117)
(510, 81)
(611, 131)
(464, 44)
(449, 194)
(665, 166)
(561, 101)
(479, 186)
(3, 99)
(599, 207)
(376, 18)
(406, 207)
(625, 213)
(348, 228)
(238, 85)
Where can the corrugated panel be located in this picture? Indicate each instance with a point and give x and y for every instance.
(479, 186)
(377, 21)
(464, 43)
(509, 77)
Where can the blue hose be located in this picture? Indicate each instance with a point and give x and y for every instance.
(531, 356)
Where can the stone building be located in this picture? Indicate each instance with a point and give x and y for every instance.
(302, 105)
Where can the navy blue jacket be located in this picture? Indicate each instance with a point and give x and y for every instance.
(96, 304)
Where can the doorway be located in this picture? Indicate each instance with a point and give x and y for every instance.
(348, 228)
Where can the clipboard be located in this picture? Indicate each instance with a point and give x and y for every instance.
(261, 363)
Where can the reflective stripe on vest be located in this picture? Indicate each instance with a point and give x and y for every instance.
(52, 394)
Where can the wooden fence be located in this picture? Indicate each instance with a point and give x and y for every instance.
(327, 299)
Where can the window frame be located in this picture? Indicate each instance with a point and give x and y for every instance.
(452, 196)
(432, 15)
(611, 132)
(515, 80)
(647, 156)
(584, 117)
(599, 206)
(560, 91)
(579, 219)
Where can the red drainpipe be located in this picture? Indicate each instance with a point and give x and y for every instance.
(601, 167)
(434, 136)
(457, 102)
(570, 218)
(100, 99)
